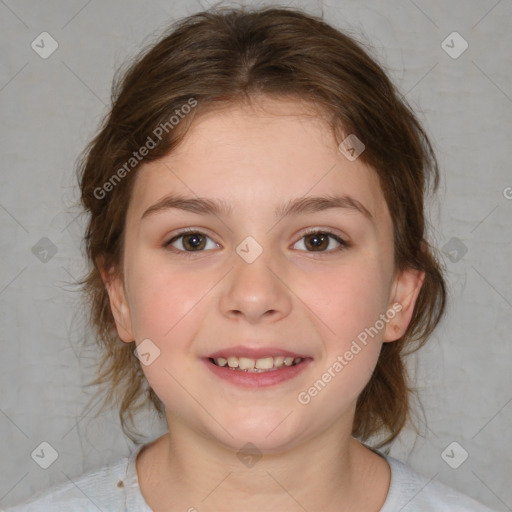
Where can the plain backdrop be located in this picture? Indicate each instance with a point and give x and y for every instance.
(50, 108)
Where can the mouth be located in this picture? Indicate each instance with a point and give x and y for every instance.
(256, 368)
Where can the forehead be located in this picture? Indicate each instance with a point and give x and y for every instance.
(257, 155)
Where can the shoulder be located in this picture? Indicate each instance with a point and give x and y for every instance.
(411, 492)
(105, 488)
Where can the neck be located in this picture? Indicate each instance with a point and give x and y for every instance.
(184, 471)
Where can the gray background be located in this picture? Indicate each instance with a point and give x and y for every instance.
(51, 107)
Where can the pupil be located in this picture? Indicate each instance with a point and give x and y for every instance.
(317, 240)
(196, 241)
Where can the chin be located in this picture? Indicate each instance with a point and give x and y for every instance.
(273, 433)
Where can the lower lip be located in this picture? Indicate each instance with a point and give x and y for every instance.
(257, 379)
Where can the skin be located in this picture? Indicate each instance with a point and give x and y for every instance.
(256, 158)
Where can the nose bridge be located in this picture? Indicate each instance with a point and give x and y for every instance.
(255, 289)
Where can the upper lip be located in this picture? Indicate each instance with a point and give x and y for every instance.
(254, 353)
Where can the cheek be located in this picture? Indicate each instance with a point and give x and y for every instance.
(167, 310)
(349, 302)
(350, 306)
(165, 300)
(347, 299)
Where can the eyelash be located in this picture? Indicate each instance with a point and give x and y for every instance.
(343, 243)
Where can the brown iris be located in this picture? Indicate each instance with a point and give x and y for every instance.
(197, 241)
(319, 241)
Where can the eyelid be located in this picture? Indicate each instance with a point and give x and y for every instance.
(328, 231)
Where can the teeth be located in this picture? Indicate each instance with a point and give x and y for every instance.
(263, 364)
(278, 361)
(244, 363)
(233, 362)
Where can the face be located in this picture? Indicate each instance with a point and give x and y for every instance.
(275, 273)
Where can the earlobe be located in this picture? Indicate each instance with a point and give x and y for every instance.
(406, 289)
(118, 304)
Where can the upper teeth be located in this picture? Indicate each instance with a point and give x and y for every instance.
(265, 363)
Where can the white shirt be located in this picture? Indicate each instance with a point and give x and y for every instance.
(115, 488)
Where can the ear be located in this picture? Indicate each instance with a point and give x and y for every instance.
(118, 303)
(406, 288)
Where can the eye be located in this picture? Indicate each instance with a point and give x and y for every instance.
(320, 240)
(190, 241)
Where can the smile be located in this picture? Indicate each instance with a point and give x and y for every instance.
(259, 371)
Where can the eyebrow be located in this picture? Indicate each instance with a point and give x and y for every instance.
(299, 206)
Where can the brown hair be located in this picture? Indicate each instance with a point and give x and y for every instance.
(229, 55)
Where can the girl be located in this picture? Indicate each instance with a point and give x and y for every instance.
(258, 270)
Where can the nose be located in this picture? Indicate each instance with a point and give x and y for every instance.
(256, 291)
